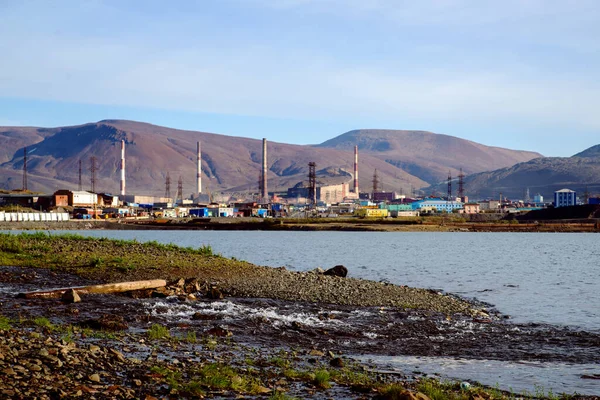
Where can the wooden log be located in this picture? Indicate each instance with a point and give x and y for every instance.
(98, 289)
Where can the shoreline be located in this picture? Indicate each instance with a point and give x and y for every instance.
(396, 312)
(325, 224)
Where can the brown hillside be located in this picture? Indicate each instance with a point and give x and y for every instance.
(228, 163)
(427, 155)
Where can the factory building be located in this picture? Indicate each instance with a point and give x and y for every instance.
(438, 205)
(565, 198)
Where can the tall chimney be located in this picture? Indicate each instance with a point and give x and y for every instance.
(265, 192)
(122, 167)
(199, 170)
(356, 169)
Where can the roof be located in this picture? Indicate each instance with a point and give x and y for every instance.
(565, 191)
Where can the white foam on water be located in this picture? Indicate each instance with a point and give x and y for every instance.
(520, 377)
(360, 313)
(228, 310)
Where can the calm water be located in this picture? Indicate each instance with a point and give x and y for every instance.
(533, 277)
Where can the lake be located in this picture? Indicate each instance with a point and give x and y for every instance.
(546, 278)
(533, 277)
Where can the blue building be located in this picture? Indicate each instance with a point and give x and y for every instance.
(440, 205)
(565, 198)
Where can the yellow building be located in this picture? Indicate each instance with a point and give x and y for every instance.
(371, 212)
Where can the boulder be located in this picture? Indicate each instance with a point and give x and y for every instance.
(336, 362)
(71, 296)
(214, 293)
(338, 270)
(191, 285)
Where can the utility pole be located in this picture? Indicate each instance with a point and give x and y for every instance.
(168, 186)
(180, 190)
(24, 168)
(93, 174)
(312, 183)
(461, 183)
(375, 184)
(80, 187)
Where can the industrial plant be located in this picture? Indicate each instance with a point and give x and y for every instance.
(307, 198)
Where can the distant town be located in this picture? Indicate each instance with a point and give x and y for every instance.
(312, 200)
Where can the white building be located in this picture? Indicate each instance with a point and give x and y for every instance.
(84, 199)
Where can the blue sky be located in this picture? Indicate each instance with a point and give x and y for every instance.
(517, 74)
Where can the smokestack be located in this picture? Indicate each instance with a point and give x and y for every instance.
(356, 169)
(199, 170)
(265, 192)
(122, 167)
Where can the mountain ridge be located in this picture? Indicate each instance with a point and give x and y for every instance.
(229, 163)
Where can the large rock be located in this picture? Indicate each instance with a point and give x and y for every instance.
(71, 296)
(338, 270)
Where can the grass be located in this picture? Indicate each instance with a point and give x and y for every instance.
(4, 323)
(112, 259)
(321, 379)
(158, 331)
(277, 395)
(44, 322)
(190, 337)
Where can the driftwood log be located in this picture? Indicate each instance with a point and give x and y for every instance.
(98, 289)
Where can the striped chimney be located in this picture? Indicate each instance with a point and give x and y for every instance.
(356, 169)
(265, 192)
(122, 167)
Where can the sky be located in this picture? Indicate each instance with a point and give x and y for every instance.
(517, 74)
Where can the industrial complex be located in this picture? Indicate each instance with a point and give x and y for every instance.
(304, 199)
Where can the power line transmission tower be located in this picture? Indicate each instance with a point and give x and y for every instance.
(449, 186)
(80, 185)
(461, 184)
(180, 190)
(312, 183)
(375, 183)
(168, 186)
(24, 168)
(93, 174)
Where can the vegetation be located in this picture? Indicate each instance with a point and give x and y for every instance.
(109, 259)
(4, 323)
(44, 323)
(157, 331)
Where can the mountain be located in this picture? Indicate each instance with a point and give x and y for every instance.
(428, 156)
(543, 175)
(232, 164)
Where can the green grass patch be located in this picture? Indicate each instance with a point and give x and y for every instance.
(191, 337)
(44, 322)
(4, 323)
(158, 331)
(109, 259)
(277, 395)
(322, 378)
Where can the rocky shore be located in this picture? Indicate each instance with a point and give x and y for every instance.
(229, 329)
